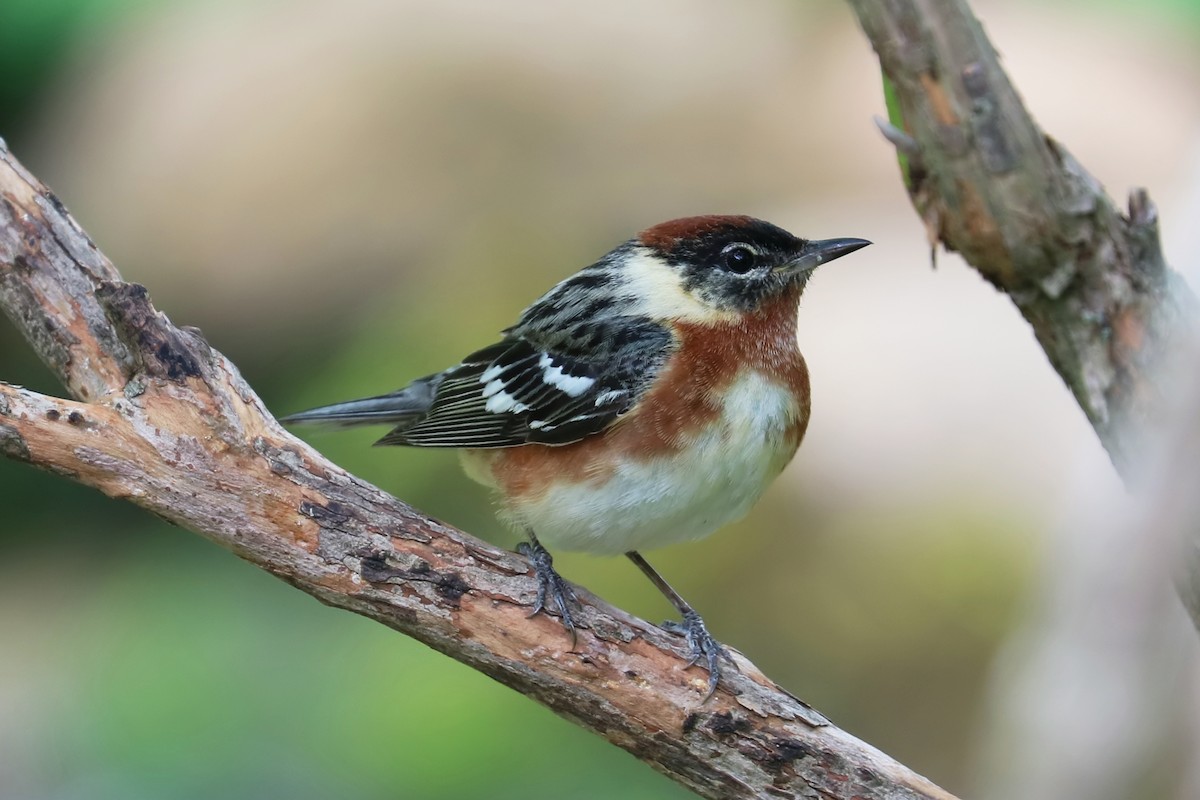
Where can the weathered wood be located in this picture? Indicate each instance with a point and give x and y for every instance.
(164, 421)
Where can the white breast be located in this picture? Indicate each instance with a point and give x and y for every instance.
(714, 480)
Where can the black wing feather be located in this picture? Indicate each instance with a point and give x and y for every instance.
(518, 392)
(575, 361)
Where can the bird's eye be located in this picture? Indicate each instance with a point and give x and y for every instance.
(739, 258)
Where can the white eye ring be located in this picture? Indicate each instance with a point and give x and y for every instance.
(739, 258)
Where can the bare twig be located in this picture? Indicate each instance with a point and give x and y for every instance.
(166, 422)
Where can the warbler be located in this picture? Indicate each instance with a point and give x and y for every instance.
(648, 399)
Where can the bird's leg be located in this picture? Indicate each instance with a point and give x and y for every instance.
(701, 644)
(550, 584)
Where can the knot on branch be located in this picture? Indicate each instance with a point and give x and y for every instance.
(1144, 236)
(12, 444)
(157, 348)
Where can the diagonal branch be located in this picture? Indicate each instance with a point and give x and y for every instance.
(1115, 321)
(163, 420)
(55, 308)
(987, 182)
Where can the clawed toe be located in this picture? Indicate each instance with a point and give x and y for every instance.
(702, 647)
(551, 587)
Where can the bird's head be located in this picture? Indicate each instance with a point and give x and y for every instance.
(714, 266)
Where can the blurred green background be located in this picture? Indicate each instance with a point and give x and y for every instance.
(344, 195)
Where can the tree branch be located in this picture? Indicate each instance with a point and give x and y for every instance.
(1114, 320)
(164, 421)
(988, 183)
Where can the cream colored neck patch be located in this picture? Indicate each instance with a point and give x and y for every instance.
(660, 295)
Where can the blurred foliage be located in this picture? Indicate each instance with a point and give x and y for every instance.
(35, 37)
(1184, 9)
(207, 681)
(150, 664)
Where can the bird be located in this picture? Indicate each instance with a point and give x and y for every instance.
(648, 399)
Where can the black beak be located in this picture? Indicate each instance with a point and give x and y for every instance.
(818, 251)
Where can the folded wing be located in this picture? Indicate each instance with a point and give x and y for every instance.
(514, 393)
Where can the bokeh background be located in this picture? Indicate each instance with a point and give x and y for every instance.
(343, 195)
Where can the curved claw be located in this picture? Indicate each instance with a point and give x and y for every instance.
(701, 645)
(552, 586)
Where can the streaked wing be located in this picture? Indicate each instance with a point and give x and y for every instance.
(515, 393)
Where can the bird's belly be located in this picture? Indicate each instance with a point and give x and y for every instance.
(714, 477)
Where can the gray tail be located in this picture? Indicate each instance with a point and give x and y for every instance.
(403, 408)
